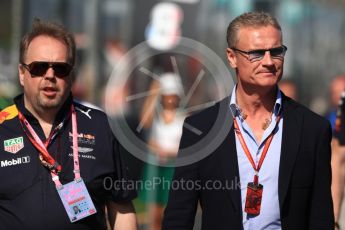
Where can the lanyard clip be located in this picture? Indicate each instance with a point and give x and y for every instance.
(59, 187)
(256, 178)
(55, 178)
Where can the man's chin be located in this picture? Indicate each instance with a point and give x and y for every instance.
(50, 104)
(268, 82)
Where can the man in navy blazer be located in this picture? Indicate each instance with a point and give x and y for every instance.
(273, 164)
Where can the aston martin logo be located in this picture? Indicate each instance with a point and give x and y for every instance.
(83, 149)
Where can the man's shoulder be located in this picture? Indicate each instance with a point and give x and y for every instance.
(308, 115)
(8, 113)
(88, 110)
(205, 119)
(212, 111)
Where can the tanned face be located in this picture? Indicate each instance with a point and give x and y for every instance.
(262, 73)
(47, 92)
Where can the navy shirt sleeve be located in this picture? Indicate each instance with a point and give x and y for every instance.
(123, 187)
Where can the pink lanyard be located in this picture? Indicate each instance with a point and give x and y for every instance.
(40, 146)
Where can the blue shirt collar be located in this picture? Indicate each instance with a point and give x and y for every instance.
(236, 112)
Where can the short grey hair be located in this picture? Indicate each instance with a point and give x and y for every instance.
(250, 19)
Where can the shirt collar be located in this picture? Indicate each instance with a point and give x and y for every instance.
(236, 112)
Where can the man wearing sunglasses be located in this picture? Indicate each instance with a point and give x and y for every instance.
(55, 157)
(278, 150)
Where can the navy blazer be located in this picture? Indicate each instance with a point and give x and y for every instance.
(304, 185)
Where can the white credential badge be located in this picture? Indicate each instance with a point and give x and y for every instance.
(76, 200)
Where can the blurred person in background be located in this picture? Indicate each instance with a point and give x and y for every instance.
(163, 119)
(289, 88)
(6, 90)
(278, 149)
(336, 87)
(57, 153)
(336, 118)
(4, 102)
(338, 157)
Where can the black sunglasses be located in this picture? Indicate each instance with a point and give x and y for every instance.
(39, 68)
(257, 55)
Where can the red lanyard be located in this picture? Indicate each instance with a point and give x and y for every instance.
(51, 163)
(247, 152)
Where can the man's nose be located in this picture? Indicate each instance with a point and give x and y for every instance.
(267, 59)
(49, 73)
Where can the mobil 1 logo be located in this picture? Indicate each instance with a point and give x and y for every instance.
(15, 161)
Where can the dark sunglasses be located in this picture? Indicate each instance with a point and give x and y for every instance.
(39, 68)
(257, 55)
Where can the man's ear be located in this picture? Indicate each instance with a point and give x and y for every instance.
(21, 72)
(231, 58)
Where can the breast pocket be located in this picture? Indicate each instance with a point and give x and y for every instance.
(303, 172)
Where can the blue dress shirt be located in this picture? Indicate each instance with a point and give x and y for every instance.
(269, 218)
